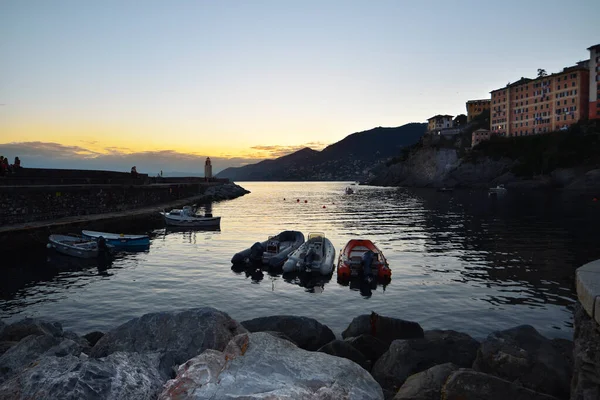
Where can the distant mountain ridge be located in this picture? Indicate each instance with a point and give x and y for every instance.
(352, 158)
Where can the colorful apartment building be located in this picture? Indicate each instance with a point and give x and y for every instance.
(476, 107)
(594, 106)
(439, 122)
(544, 104)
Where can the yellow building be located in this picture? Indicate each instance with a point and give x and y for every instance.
(476, 107)
(439, 122)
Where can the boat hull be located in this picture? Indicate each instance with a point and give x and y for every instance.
(350, 261)
(192, 221)
(118, 240)
(292, 240)
(71, 247)
(324, 266)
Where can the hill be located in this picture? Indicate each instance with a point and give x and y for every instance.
(352, 158)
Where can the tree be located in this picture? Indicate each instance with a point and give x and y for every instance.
(541, 72)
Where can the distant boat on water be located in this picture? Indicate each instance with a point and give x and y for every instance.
(187, 217)
(500, 189)
(349, 190)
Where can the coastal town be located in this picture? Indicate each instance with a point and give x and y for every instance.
(532, 106)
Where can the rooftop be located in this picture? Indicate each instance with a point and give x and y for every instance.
(594, 47)
(581, 65)
(440, 116)
(479, 101)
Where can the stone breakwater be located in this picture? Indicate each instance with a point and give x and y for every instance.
(203, 353)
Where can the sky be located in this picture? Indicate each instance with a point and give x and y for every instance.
(164, 84)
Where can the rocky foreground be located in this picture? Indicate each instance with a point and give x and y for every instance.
(202, 353)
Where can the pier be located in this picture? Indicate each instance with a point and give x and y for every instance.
(36, 202)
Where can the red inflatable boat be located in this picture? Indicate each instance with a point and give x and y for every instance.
(362, 257)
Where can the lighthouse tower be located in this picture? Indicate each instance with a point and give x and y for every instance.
(207, 169)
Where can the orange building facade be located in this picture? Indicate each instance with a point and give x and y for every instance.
(544, 104)
(476, 107)
(594, 90)
(479, 136)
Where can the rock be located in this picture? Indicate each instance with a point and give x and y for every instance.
(127, 376)
(307, 333)
(261, 366)
(32, 348)
(30, 326)
(586, 353)
(522, 355)
(370, 347)
(177, 336)
(93, 337)
(5, 345)
(407, 357)
(340, 348)
(384, 328)
(471, 385)
(589, 181)
(426, 385)
(85, 345)
(281, 336)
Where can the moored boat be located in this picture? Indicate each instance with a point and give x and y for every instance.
(349, 190)
(273, 251)
(119, 240)
(186, 216)
(77, 246)
(500, 189)
(362, 257)
(316, 254)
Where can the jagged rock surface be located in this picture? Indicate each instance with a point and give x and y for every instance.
(126, 376)
(384, 328)
(177, 336)
(522, 355)
(261, 366)
(407, 357)
(426, 385)
(307, 333)
(340, 348)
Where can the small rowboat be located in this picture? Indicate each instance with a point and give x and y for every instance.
(361, 257)
(76, 246)
(119, 240)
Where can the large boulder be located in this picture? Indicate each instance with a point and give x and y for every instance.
(407, 357)
(340, 348)
(33, 348)
(524, 356)
(126, 376)
(586, 368)
(261, 366)
(384, 328)
(307, 333)
(370, 347)
(471, 385)
(426, 385)
(30, 326)
(177, 336)
(93, 337)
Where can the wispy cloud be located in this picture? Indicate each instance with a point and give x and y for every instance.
(55, 155)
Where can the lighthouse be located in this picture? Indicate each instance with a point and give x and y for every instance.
(207, 169)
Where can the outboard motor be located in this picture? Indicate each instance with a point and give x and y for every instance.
(308, 259)
(256, 252)
(103, 249)
(367, 263)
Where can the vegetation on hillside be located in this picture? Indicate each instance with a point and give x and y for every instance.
(541, 154)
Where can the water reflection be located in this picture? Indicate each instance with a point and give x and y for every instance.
(311, 282)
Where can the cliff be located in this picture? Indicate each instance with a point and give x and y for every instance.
(569, 160)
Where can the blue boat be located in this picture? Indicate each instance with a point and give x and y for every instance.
(119, 240)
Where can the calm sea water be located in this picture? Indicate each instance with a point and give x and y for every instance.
(461, 260)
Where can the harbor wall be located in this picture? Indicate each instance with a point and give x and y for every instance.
(22, 204)
(585, 384)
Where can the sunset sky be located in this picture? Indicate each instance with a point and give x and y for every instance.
(164, 84)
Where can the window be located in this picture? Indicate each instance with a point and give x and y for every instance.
(573, 84)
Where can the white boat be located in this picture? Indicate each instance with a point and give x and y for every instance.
(186, 216)
(316, 254)
(76, 246)
(497, 190)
